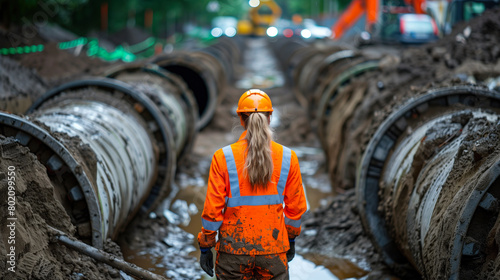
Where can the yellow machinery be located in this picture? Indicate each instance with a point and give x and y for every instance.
(261, 17)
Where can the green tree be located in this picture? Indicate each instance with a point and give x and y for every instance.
(312, 8)
(38, 11)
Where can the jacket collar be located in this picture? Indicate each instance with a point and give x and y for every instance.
(243, 135)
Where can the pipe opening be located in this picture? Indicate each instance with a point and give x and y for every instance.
(195, 83)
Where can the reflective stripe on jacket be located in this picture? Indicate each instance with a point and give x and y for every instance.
(252, 222)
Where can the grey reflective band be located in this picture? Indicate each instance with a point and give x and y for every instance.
(257, 200)
(210, 225)
(293, 223)
(285, 168)
(254, 200)
(233, 172)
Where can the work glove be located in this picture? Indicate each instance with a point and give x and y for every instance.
(290, 254)
(207, 261)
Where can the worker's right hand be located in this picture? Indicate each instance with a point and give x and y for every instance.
(207, 261)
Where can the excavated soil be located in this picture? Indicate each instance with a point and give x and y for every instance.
(37, 207)
(52, 65)
(19, 86)
(454, 59)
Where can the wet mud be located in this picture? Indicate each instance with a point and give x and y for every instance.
(332, 236)
(478, 151)
(37, 206)
(161, 246)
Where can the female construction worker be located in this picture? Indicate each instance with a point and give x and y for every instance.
(247, 185)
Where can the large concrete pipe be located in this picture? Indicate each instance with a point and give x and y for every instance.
(309, 73)
(107, 147)
(340, 67)
(284, 49)
(229, 52)
(329, 83)
(202, 73)
(296, 53)
(428, 184)
(302, 64)
(170, 94)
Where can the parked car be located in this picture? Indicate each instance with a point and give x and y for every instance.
(224, 25)
(409, 28)
(287, 28)
(317, 31)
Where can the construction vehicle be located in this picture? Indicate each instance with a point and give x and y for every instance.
(263, 15)
(375, 11)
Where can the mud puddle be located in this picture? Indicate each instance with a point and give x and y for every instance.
(260, 73)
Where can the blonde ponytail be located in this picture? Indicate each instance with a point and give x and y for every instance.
(258, 163)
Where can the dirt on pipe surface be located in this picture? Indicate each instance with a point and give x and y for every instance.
(478, 151)
(37, 206)
(456, 58)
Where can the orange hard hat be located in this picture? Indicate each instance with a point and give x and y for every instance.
(254, 100)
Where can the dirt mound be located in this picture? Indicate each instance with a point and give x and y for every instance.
(478, 39)
(19, 86)
(335, 231)
(129, 35)
(57, 66)
(25, 238)
(53, 65)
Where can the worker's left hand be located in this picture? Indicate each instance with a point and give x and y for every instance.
(290, 254)
(207, 261)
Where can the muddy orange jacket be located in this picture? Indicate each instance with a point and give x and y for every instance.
(252, 222)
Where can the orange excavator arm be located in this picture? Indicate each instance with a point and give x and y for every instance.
(352, 14)
(418, 5)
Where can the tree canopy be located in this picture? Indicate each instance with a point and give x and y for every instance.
(161, 17)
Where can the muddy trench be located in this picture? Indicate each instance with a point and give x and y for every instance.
(182, 210)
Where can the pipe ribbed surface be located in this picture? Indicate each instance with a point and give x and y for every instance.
(125, 156)
(202, 74)
(122, 143)
(171, 96)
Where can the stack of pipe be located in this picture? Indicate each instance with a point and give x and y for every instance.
(325, 80)
(205, 72)
(111, 144)
(426, 166)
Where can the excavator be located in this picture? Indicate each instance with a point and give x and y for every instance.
(373, 10)
(262, 15)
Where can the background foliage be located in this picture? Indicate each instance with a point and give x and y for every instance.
(169, 16)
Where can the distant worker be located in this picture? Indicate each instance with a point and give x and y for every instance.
(247, 185)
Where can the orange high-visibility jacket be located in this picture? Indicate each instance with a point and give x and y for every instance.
(252, 222)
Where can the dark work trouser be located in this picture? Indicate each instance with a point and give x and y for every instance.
(229, 266)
